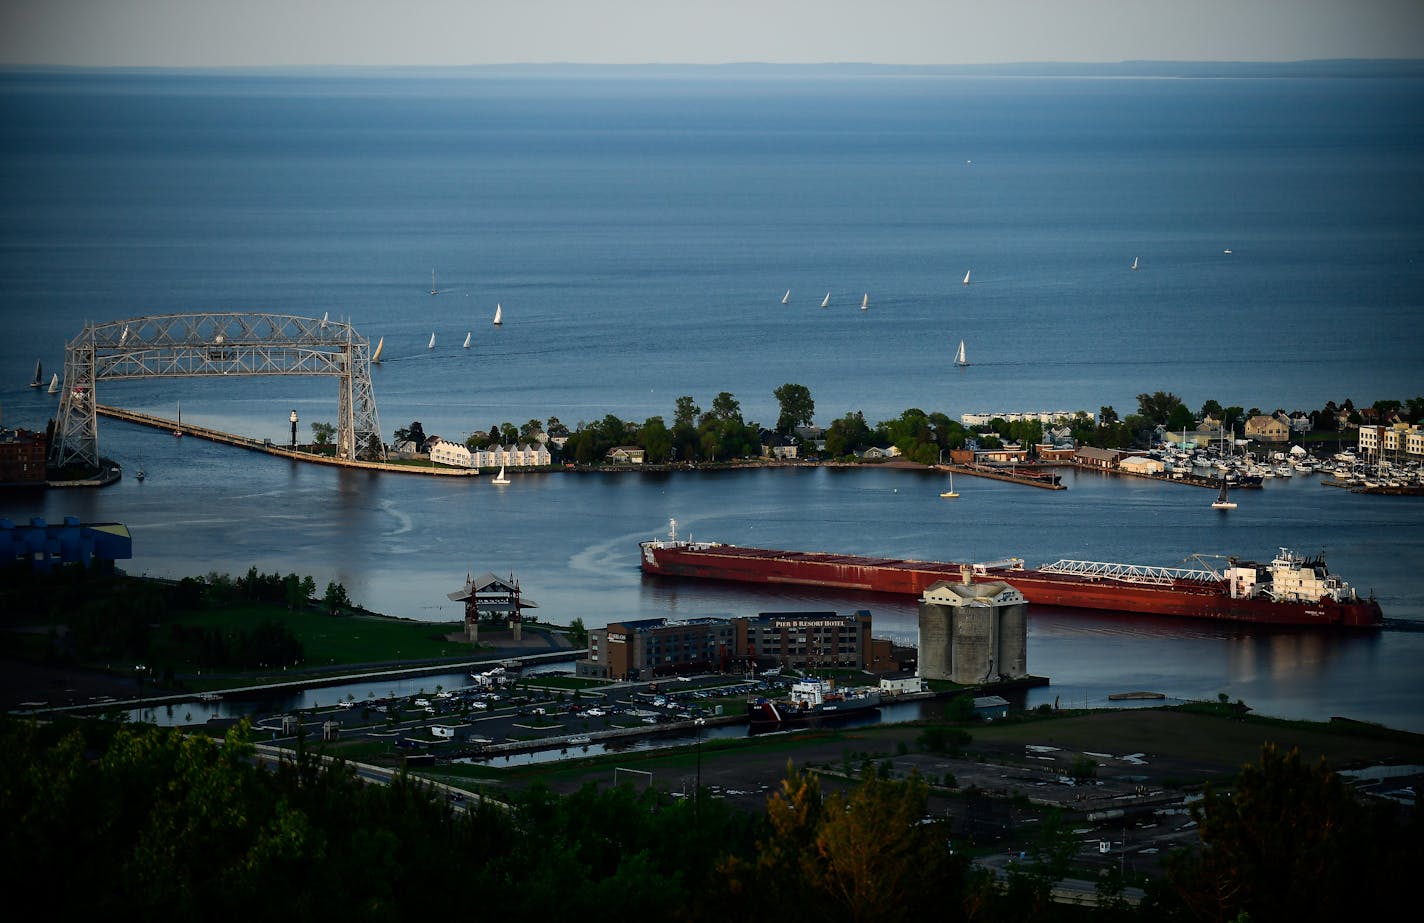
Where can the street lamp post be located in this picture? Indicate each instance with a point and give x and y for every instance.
(697, 793)
(294, 430)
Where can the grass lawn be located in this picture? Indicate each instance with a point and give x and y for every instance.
(328, 640)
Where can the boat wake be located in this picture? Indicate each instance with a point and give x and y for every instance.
(403, 521)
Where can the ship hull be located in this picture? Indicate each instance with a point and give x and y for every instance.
(765, 715)
(911, 578)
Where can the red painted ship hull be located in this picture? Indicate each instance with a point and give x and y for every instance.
(1197, 600)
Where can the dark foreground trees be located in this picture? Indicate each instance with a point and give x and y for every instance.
(140, 822)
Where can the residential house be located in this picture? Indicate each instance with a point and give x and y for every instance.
(626, 455)
(1263, 428)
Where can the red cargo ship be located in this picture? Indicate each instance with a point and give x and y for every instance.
(1290, 590)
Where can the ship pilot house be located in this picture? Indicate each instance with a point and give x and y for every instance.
(491, 599)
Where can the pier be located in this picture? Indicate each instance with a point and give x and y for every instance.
(270, 448)
(1013, 475)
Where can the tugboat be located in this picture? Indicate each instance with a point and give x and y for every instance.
(812, 701)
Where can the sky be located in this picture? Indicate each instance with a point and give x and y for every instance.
(300, 33)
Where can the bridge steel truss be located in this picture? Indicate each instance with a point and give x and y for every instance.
(215, 344)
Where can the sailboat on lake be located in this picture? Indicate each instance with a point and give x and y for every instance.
(951, 493)
(826, 301)
(1222, 502)
(1134, 262)
(433, 289)
(786, 299)
(179, 430)
(499, 478)
(865, 301)
(54, 384)
(959, 358)
(139, 473)
(39, 375)
(966, 276)
(432, 340)
(467, 339)
(498, 314)
(380, 345)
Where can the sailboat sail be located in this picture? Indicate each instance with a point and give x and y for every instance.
(467, 339)
(827, 300)
(959, 358)
(966, 276)
(433, 289)
(864, 301)
(432, 340)
(1134, 262)
(786, 299)
(498, 314)
(39, 375)
(380, 345)
(54, 384)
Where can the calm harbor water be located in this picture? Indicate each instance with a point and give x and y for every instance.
(639, 235)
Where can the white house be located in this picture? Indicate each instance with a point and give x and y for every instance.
(450, 453)
(626, 454)
(531, 455)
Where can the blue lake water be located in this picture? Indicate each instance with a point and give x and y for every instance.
(639, 235)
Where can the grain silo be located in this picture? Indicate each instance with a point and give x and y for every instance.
(973, 632)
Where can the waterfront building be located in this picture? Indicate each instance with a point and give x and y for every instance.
(973, 632)
(1373, 441)
(1040, 416)
(626, 455)
(22, 457)
(444, 452)
(1102, 459)
(1263, 428)
(95, 545)
(1142, 464)
(642, 648)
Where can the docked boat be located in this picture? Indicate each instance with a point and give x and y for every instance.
(1289, 590)
(812, 701)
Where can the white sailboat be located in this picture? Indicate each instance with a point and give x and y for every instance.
(433, 289)
(786, 299)
(865, 301)
(39, 375)
(1134, 262)
(432, 340)
(959, 358)
(54, 384)
(499, 478)
(380, 345)
(827, 300)
(1222, 502)
(966, 276)
(951, 493)
(467, 339)
(179, 430)
(324, 317)
(498, 314)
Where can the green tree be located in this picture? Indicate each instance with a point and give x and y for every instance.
(797, 407)
(847, 434)
(323, 433)
(1292, 842)
(1181, 418)
(1158, 405)
(656, 440)
(1211, 409)
(726, 408)
(686, 413)
(336, 598)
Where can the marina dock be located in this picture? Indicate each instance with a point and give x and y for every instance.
(1039, 477)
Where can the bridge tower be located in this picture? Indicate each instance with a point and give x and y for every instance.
(210, 345)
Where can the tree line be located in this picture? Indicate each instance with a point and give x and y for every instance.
(721, 433)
